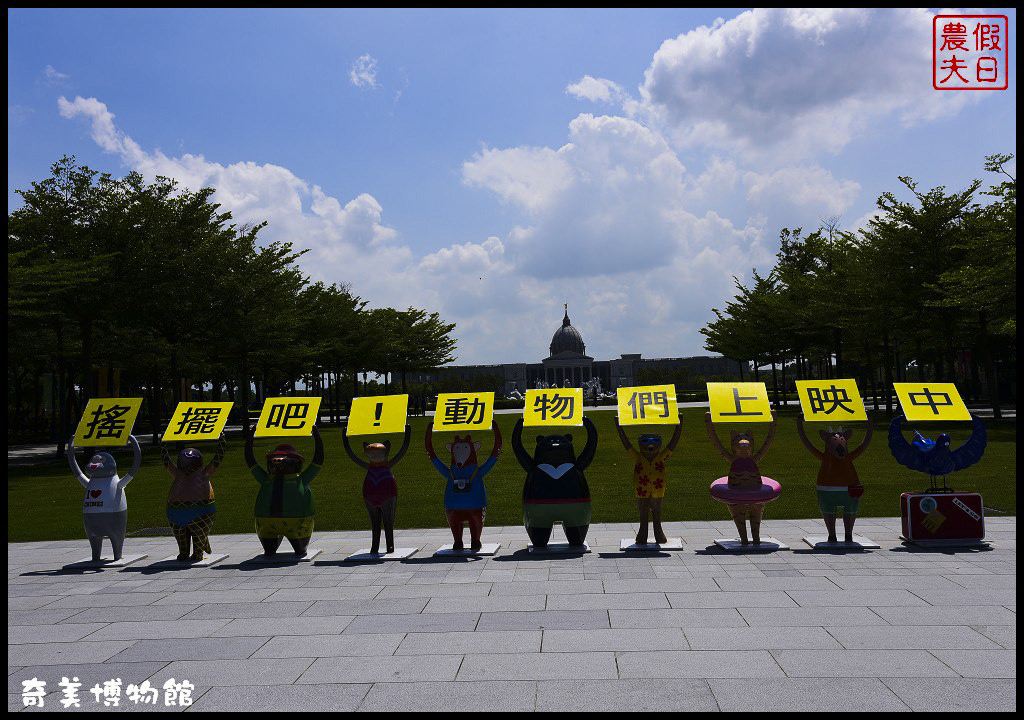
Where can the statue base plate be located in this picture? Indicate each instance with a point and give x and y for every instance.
(174, 562)
(768, 544)
(859, 542)
(106, 561)
(398, 554)
(287, 557)
(952, 543)
(560, 549)
(675, 543)
(450, 551)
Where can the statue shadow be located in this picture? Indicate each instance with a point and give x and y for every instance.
(913, 549)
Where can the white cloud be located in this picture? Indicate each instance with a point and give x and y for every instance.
(53, 76)
(795, 83)
(364, 72)
(806, 189)
(596, 90)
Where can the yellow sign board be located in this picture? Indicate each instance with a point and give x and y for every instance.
(648, 405)
(931, 401)
(197, 421)
(831, 400)
(107, 421)
(733, 402)
(554, 406)
(380, 415)
(288, 416)
(460, 412)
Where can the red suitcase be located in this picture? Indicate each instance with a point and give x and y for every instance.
(944, 516)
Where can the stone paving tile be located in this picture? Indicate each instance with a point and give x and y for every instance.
(404, 668)
(543, 619)
(947, 615)
(68, 632)
(677, 617)
(546, 587)
(625, 695)
(760, 638)
(856, 598)
(69, 653)
(270, 626)
(917, 637)
(538, 666)
(198, 648)
(154, 630)
(283, 698)
(957, 694)
(318, 646)
(42, 617)
(607, 601)
(231, 611)
(1003, 635)
(968, 596)
(614, 639)
(431, 622)
(487, 603)
(806, 695)
(698, 664)
(215, 673)
(861, 664)
(433, 590)
(980, 663)
(460, 643)
(89, 674)
(723, 599)
(402, 606)
(493, 696)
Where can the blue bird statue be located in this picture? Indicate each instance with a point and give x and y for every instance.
(934, 456)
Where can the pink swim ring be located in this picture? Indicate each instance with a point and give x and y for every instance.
(768, 491)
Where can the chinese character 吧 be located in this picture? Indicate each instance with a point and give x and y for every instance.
(836, 396)
(737, 398)
(198, 421)
(459, 411)
(282, 413)
(560, 406)
(929, 400)
(111, 424)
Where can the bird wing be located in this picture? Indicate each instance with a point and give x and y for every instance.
(905, 453)
(972, 450)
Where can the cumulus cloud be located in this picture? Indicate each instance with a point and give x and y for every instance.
(364, 72)
(795, 82)
(806, 189)
(53, 76)
(596, 90)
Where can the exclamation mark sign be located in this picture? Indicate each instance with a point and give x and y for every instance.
(376, 413)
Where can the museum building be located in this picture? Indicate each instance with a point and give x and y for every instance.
(568, 362)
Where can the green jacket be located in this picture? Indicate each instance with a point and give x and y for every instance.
(295, 495)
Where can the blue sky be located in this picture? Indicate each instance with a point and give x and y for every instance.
(492, 165)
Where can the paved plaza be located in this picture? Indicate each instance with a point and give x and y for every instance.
(897, 628)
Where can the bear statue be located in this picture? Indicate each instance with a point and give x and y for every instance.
(556, 488)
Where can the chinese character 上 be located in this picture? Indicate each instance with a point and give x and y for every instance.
(281, 414)
(111, 424)
(198, 421)
(458, 411)
(837, 396)
(737, 398)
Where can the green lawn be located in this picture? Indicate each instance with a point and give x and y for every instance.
(44, 501)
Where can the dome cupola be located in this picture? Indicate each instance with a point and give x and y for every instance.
(567, 338)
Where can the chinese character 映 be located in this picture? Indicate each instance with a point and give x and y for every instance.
(929, 399)
(198, 421)
(836, 396)
(281, 414)
(560, 406)
(458, 411)
(111, 424)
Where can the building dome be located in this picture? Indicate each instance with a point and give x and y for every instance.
(567, 338)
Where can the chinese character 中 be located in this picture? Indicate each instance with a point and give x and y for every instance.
(281, 414)
(836, 396)
(458, 411)
(737, 398)
(639, 401)
(954, 37)
(70, 690)
(560, 406)
(111, 424)
(930, 400)
(198, 421)
(32, 692)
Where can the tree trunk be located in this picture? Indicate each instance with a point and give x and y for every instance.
(887, 361)
(991, 377)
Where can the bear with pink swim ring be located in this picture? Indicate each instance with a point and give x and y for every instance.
(744, 490)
